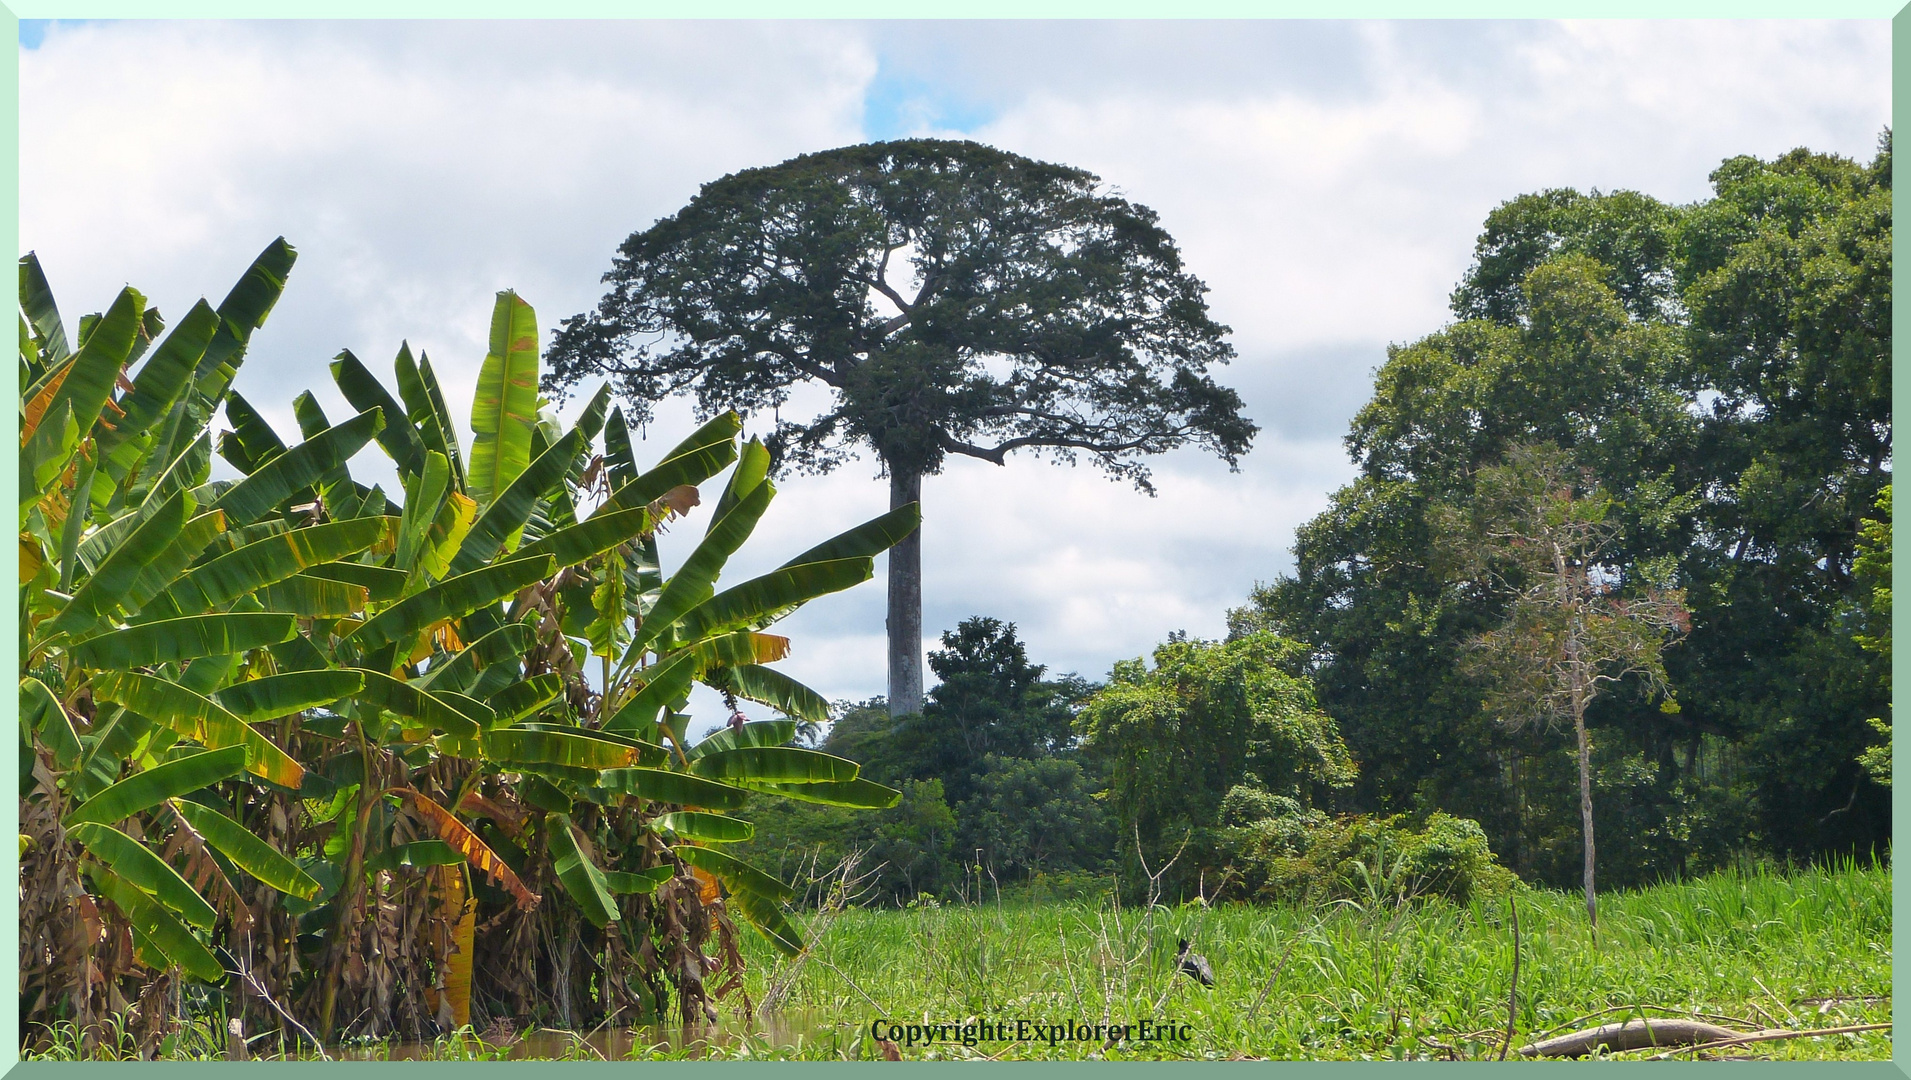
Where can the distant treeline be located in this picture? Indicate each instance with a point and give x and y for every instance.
(1721, 368)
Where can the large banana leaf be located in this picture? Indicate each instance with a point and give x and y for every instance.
(168, 372)
(152, 921)
(512, 507)
(581, 877)
(425, 409)
(365, 393)
(36, 301)
(753, 467)
(145, 790)
(300, 467)
(315, 597)
(197, 717)
(424, 497)
(44, 456)
(762, 600)
(767, 916)
(872, 537)
(521, 699)
(618, 455)
(739, 875)
(757, 733)
(574, 749)
(575, 543)
(88, 384)
(251, 442)
(777, 764)
(667, 786)
(647, 881)
(248, 852)
(132, 861)
(773, 688)
(106, 590)
(704, 828)
(407, 700)
(242, 311)
(381, 583)
(41, 715)
(692, 466)
(666, 683)
(246, 570)
(694, 581)
(282, 695)
(504, 409)
(456, 673)
(451, 598)
(170, 641)
(858, 793)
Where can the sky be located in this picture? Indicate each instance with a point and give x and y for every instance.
(1325, 179)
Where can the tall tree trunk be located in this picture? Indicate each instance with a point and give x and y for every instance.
(905, 601)
(1585, 806)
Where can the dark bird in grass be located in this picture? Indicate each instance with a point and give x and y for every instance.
(1193, 965)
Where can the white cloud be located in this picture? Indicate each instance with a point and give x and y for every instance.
(1326, 179)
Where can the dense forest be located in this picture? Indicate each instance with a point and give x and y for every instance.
(1720, 369)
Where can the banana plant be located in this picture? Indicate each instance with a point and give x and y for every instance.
(165, 623)
(526, 664)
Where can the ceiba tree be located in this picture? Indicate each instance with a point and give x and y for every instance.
(953, 298)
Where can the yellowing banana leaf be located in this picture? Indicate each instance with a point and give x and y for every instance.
(466, 843)
(705, 828)
(504, 409)
(145, 790)
(300, 467)
(452, 598)
(174, 640)
(282, 695)
(248, 852)
(579, 876)
(158, 926)
(197, 717)
(738, 649)
(740, 876)
(42, 715)
(666, 786)
(132, 861)
(777, 764)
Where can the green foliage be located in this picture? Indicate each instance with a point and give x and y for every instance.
(1304, 856)
(1173, 739)
(1722, 368)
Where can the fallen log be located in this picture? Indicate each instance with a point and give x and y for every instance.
(1677, 1035)
(1631, 1035)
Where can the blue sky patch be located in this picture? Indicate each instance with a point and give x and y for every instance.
(898, 105)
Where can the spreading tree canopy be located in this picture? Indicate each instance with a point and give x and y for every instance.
(954, 298)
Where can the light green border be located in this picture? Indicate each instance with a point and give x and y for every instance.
(873, 9)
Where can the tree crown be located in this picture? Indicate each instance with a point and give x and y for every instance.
(954, 297)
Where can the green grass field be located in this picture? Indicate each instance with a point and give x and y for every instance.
(1806, 950)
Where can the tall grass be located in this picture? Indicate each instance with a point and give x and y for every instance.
(1752, 948)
